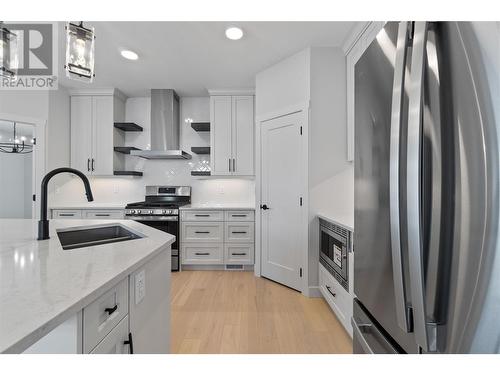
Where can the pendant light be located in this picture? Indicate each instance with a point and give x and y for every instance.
(8, 52)
(17, 145)
(80, 42)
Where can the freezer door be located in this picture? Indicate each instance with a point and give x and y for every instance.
(453, 187)
(374, 281)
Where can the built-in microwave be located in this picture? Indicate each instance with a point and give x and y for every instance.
(334, 245)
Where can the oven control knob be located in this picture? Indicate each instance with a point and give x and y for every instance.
(132, 212)
(151, 212)
(138, 211)
(164, 211)
(169, 212)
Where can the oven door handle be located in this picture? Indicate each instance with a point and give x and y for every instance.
(152, 218)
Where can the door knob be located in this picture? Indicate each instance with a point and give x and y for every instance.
(264, 207)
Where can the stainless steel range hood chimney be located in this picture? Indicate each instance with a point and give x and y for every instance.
(165, 127)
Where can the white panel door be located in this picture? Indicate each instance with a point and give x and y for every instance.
(102, 148)
(243, 135)
(220, 134)
(281, 192)
(81, 133)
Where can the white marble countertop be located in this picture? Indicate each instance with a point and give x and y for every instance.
(344, 220)
(87, 205)
(218, 206)
(42, 285)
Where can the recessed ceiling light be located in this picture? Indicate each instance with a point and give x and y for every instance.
(129, 55)
(234, 33)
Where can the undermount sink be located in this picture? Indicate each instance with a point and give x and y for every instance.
(76, 237)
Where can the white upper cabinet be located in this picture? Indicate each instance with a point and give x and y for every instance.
(93, 114)
(232, 135)
(355, 51)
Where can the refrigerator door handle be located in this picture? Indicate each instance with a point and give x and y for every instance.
(415, 117)
(394, 186)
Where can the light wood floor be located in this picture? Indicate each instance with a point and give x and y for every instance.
(236, 312)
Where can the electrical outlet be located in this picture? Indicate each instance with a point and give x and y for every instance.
(140, 286)
(116, 189)
(220, 189)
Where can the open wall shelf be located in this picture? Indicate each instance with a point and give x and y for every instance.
(124, 149)
(201, 150)
(128, 126)
(127, 173)
(201, 126)
(200, 173)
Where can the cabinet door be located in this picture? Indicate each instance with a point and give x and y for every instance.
(243, 135)
(220, 135)
(115, 341)
(102, 129)
(81, 133)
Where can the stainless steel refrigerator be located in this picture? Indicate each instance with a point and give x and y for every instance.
(426, 228)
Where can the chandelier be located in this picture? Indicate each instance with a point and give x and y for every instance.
(17, 145)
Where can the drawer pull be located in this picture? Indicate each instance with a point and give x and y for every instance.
(202, 253)
(238, 253)
(202, 215)
(111, 310)
(239, 215)
(66, 214)
(239, 232)
(201, 232)
(129, 342)
(102, 215)
(330, 290)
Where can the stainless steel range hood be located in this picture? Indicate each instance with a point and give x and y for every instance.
(165, 127)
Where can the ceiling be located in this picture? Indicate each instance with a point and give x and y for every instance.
(193, 56)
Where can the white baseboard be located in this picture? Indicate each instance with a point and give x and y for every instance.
(314, 292)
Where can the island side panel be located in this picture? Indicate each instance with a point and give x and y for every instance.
(150, 316)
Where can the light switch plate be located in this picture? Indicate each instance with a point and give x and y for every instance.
(140, 286)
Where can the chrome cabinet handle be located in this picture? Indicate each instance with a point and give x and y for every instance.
(415, 117)
(330, 290)
(398, 93)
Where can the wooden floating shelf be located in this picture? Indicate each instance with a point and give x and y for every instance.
(128, 126)
(201, 126)
(201, 150)
(127, 173)
(200, 173)
(125, 150)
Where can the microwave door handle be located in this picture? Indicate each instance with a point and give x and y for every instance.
(394, 185)
(413, 186)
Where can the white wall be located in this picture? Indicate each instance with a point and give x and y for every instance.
(162, 172)
(331, 176)
(284, 84)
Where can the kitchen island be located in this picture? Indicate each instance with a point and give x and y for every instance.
(43, 287)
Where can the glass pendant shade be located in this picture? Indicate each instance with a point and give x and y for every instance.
(8, 53)
(80, 52)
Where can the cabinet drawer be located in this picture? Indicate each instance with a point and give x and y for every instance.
(66, 214)
(202, 254)
(202, 232)
(337, 297)
(100, 214)
(114, 342)
(239, 232)
(102, 315)
(238, 253)
(240, 216)
(202, 215)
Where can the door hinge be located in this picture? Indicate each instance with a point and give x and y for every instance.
(301, 130)
(300, 271)
(34, 197)
(300, 201)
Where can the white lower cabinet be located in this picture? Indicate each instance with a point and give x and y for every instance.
(217, 237)
(117, 341)
(116, 214)
(102, 315)
(202, 253)
(339, 299)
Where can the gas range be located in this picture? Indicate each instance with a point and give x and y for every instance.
(160, 210)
